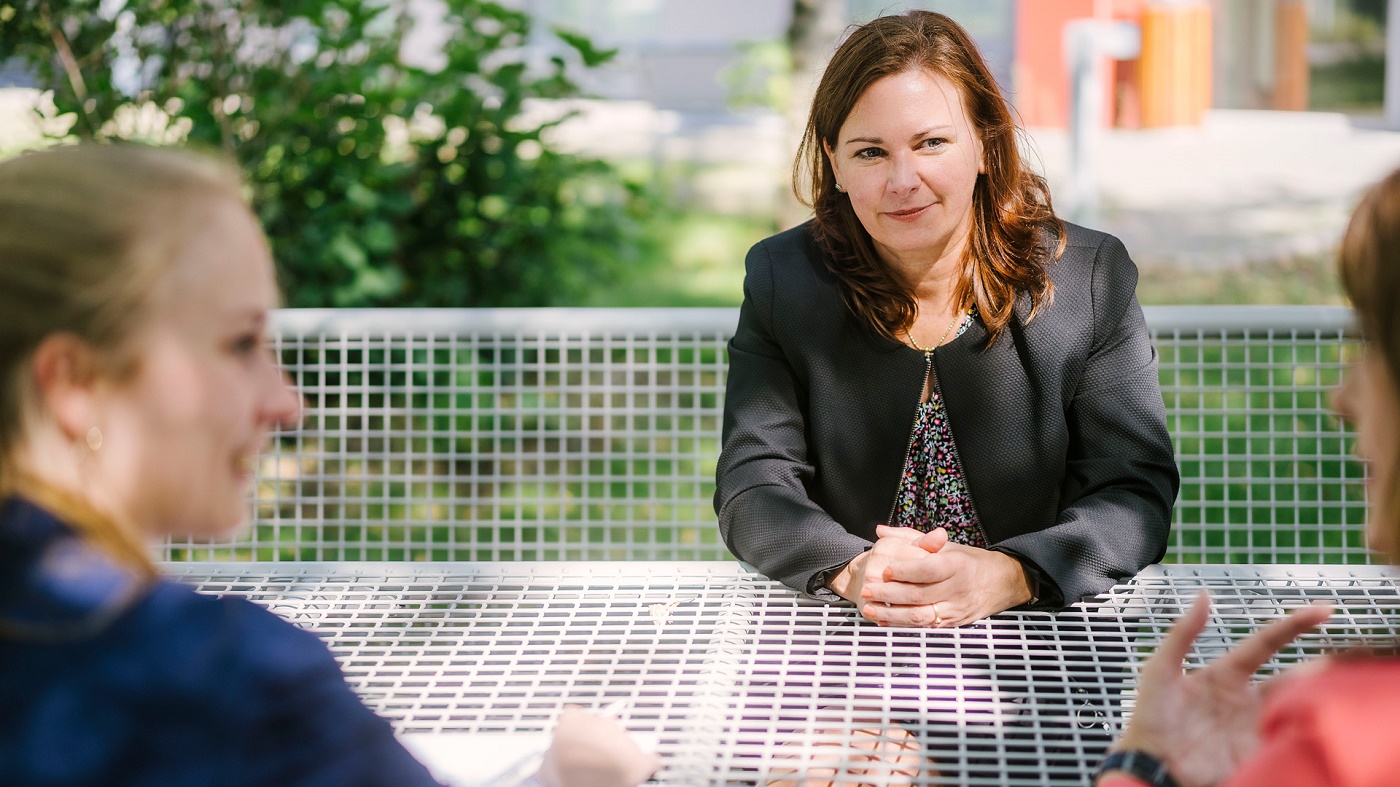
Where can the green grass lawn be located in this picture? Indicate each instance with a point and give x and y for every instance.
(1298, 281)
(1348, 86)
(703, 263)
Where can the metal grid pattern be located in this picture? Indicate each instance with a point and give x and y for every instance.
(1267, 473)
(739, 680)
(512, 434)
(592, 434)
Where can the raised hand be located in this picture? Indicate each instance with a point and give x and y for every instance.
(1202, 724)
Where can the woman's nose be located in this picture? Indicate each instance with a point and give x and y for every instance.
(904, 175)
(284, 403)
(1341, 395)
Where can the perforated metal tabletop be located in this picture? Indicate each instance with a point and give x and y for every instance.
(739, 680)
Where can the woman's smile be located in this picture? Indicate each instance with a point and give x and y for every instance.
(244, 466)
(908, 214)
(908, 157)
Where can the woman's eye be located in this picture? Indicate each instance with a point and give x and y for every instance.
(935, 142)
(869, 153)
(245, 345)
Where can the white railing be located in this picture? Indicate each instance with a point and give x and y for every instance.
(592, 434)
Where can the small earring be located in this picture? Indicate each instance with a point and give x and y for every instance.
(840, 188)
(94, 439)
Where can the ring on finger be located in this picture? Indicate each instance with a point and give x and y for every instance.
(937, 618)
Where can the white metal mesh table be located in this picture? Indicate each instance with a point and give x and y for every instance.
(740, 680)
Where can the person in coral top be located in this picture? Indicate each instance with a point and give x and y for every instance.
(1328, 723)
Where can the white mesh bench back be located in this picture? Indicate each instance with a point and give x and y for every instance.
(591, 434)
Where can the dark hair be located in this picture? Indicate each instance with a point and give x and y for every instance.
(1369, 264)
(1015, 232)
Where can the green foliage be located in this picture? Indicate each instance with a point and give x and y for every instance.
(761, 77)
(592, 56)
(1348, 85)
(378, 182)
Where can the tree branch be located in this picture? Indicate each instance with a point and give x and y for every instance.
(70, 65)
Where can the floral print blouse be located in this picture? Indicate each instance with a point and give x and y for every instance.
(933, 492)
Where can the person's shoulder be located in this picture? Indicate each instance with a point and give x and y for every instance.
(273, 682)
(1077, 236)
(1342, 711)
(790, 268)
(54, 585)
(195, 638)
(794, 240)
(793, 250)
(1089, 252)
(1341, 682)
(1094, 277)
(268, 648)
(1094, 281)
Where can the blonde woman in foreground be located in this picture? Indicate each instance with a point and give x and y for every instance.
(1329, 724)
(135, 393)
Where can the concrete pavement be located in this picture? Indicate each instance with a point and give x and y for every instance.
(1244, 187)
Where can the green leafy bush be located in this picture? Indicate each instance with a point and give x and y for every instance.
(379, 182)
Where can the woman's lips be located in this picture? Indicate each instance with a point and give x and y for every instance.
(909, 214)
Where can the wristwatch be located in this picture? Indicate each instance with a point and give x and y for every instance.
(1139, 764)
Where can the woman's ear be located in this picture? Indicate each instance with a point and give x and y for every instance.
(831, 161)
(66, 377)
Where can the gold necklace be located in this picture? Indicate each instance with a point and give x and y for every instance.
(926, 350)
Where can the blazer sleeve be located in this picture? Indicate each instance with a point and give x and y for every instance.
(766, 516)
(1120, 473)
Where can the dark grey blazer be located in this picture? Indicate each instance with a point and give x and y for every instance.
(1059, 424)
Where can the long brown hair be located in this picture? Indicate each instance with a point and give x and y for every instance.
(1015, 232)
(89, 236)
(1370, 271)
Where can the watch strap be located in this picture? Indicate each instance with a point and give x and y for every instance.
(1139, 764)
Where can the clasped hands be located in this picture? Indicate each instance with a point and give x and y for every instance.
(922, 580)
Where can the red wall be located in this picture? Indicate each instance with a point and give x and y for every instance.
(1040, 78)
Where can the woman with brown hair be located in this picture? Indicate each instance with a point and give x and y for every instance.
(942, 401)
(136, 390)
(1327, 724)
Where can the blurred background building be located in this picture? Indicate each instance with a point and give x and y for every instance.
(1239, 136)
(1197, 54)
(1232, 144)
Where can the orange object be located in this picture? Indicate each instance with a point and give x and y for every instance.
(1291, 55)
(1174, 70)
